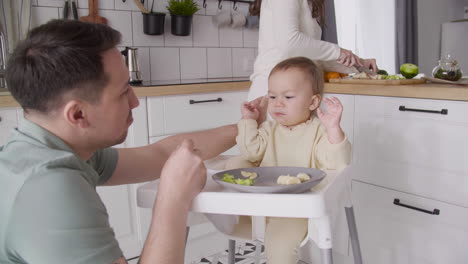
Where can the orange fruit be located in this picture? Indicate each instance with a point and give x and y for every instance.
(331, 75)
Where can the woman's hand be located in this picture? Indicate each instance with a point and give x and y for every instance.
(348, 58)
(370, 64)
(331, 119)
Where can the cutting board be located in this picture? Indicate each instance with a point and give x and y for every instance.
(378, 82)
(93, 16)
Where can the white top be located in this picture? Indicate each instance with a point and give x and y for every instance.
(287, 29)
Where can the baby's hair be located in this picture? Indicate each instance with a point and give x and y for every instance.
(307, 66)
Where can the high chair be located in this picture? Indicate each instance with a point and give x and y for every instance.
(320, 205)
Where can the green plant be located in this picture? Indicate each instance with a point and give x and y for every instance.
(182, 7)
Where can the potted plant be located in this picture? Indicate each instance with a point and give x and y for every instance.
(181, 16)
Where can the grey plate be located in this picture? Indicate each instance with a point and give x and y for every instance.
(266, 180)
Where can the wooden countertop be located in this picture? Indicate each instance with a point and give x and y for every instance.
(423, 91)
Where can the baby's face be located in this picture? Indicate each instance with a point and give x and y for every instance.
(290, 97)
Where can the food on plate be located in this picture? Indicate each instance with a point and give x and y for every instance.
(230, 178)
(409, 70)
(287, 180)
(249, 174)
(303, 177)
(331, 75)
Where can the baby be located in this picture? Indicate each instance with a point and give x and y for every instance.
(300, 135)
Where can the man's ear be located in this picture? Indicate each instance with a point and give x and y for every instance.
(316, 99)
(75, 112)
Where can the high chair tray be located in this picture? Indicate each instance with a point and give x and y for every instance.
(266, 181)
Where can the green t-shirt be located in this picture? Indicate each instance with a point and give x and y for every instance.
(49, 209)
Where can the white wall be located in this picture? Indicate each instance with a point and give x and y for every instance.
(431, 15)
(208, 52)
(367, 27)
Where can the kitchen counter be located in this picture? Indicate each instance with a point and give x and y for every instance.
(161, 88)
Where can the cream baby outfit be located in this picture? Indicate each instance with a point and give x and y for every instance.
(305, 145)
(287, 30)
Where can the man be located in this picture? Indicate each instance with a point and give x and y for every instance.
(72, 83)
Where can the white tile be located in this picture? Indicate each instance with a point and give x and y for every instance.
(103, 4)
(201, 10)
(164, 63)
(41, 15)
(193, 63)
(121, 21)
(205, 33)
(34, 2)
(140, 38)
(55, 3)
(176, 41)
(159, 6)
(230, 37)
(219, 62)
(212, 7)
(242, 61)
(250, 37)
(127, 5)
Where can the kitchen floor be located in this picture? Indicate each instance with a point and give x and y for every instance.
(247, 252)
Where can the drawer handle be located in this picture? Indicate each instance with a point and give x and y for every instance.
(433, 212)
(442, 112)
(206, 101)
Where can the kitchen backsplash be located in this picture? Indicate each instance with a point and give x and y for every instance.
(209, 51)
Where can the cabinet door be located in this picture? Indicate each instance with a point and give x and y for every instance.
(8, 121)
(420, 153)
(184, 113)
(391, 234)
(120, 200)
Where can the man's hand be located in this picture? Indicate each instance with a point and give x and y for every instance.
(331, 119)
(183, 175)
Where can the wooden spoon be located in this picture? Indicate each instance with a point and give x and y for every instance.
(93, 16)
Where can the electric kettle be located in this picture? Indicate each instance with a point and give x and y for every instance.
(131, 60)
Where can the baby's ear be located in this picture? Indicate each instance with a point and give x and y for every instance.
(316, 99)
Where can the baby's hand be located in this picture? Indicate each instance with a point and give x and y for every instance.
(249, 111)
(331, 119)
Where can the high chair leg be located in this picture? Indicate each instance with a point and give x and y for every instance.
(232, 251)
(326, 256)
(353, 235)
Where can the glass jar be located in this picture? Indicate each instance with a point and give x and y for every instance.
(447, 69)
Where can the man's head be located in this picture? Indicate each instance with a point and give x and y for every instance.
(72, 80)
(57, 60)
(295, 88)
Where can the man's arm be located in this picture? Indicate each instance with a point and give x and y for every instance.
(145, 163)
(182, 178)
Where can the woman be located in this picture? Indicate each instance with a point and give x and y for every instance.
(290, 28)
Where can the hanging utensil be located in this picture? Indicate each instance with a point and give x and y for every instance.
(93, 16)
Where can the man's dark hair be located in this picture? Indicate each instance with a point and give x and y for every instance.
(59, 57)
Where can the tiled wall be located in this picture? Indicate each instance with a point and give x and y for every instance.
(209, 51)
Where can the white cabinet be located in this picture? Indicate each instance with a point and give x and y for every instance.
(391, 233)
(120, 201)
(420, 153)
(411, 152)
